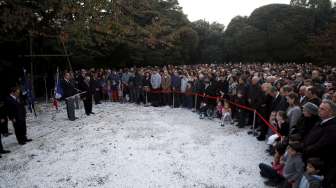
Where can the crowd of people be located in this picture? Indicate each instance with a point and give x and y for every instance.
(299, 100)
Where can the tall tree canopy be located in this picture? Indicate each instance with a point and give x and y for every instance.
(118, 33)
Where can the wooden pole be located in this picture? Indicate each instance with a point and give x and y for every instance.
(66, 54)
(47, 55)
(31, 62)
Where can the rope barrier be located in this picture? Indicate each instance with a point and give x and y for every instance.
(274, 130)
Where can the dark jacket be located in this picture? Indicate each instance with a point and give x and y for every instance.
(15, 109)
(176, 82)
(138, 80)
(199, 87)
(211, 90)
(284, 129)
(321, 142)
(223, 86)
(254, 94)
(316, 101)
(3, 111)
(88, 88)
(147, 82)
(279, 104)
(321, 139)
(115, 80)
(68, 89)
(304, 125)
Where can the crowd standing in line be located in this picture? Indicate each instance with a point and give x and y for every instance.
(297, 99)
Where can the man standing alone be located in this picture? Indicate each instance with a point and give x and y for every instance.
(69, 91)
(86, 86)
(17, 114)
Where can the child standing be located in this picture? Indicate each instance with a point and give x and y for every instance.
(311, 178)
(219, 109)
(226, 111)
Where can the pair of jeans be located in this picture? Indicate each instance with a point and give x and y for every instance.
(267, 171)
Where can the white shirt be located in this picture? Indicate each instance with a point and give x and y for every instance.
(302, 98)
(323, 121)
(13, 97)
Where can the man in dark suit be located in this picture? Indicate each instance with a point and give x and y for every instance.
(312, 95)
(17, 114)
(3, 118)
(321, 141)
(279, 102)
(68, 92)
(274, 102)
(86, 85)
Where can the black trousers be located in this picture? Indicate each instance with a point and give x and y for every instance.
(166, 99)
(177, 100)
(70, 106)
(1, 147)
(241, 114)
(155, 97)
(20, 129)
(4, 127)
(88, 106)
(330, 176)
(267, 171)
(97, 96)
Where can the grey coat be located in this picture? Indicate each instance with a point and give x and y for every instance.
(294, 168)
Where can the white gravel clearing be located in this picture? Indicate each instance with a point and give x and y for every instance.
(125, 145)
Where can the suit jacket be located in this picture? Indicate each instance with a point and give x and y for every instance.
(15, 109)
(3, 111)
(321, 142)
(254, 94)
(68, 89)
(279, 104)
(88, 88)
(303, 101)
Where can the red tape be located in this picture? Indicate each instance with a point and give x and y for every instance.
(274, 130)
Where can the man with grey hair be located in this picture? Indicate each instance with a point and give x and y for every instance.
(321, 141)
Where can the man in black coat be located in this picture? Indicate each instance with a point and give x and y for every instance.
(199, 88)
(279, 102)
(85, 85)
(255, 99)
(68, 92)
(3, 118)
(17, 114)
(321, 142)
(264, 110)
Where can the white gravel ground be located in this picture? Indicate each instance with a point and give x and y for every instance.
(125, 145)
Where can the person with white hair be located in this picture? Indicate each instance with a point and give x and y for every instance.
(321, 141)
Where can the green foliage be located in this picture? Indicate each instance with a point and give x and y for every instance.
(156, 32)
(210, 38)
(322, 47)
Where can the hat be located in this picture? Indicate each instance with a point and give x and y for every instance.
(311, 108)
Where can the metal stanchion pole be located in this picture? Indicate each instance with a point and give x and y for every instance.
(195, 103)
(173, 99)
(254, 120)
(146, 98)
